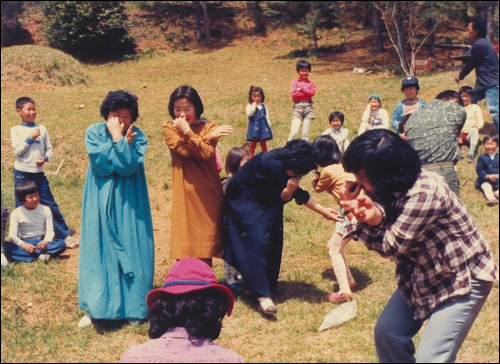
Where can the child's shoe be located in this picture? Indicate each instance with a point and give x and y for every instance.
(71, 242)
(234, 287)
(492, 202)
(134, 322)
(339, 297)
(46, 258)
(470, 158)
(495, 193)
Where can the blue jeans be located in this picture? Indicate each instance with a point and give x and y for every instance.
(491, 96)
(15, 252)
(443, 336)
(61, 229)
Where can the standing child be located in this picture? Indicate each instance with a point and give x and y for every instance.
(337, 130)
(31, 233)
(474, 122)
(259, 126)
(235, 159)
(487, 169)
(32, 148)
(331, 179)
(374, 116)
(302, 91)
(410, 88)
(197, 190)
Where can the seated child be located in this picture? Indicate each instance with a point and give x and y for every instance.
(5, 217)
(374, 116)
(235, 159)
(337, 131)
(31, 233)
(487, 170)
(470, 131)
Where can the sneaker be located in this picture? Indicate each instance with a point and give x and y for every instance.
(86, 320)
(492, 202)
(235, 287)
(496, 194)
(266, 306)
(470, 158)
(71, 242)
(339, 297)
(46, 258)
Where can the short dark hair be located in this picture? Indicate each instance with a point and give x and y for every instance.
(189, 93)
(336, 114)
(303, 64)
(391, 165)
(479, 25)
(24, 189)
(402, 123)
(24, 100)
(234, 157)
(299, 156)
(255, 89)
(327, 150)
(492, 137)
(120, 99)
(450, 95)
(467, 89)
(199, 312)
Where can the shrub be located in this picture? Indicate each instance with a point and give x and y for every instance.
(30, 63)
(12, 31)
(88, 29)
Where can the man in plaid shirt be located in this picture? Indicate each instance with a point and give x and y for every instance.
(445, 268)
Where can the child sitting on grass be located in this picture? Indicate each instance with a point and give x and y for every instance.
(374, 116)
(337, 130)
(487, 170)
(470, 131)
(31, 233)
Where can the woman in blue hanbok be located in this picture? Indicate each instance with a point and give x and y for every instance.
(116, 262)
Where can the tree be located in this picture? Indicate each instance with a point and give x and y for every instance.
(206, 20)
(198, 11)
(321, 15)
(486, 9)
(258, 17)
(88, 29)
(12, 31)
(412, 15)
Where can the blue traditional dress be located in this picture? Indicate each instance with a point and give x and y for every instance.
(258, 125)
(116, 261)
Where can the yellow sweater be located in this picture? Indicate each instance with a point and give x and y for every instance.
(474, 117)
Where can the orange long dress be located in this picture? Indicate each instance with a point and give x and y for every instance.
(197, 192)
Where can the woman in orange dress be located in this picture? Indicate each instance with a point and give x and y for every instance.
(197, 192)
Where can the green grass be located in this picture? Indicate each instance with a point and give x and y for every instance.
(47, 332)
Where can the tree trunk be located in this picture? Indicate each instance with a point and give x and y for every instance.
(490, 23)
(377, 27)
(207, 23)
(258, 17)
(400, 37)
(198, 11)
(368, 12)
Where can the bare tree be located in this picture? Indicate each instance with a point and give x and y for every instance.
(198, 10)
(486, 9)
(258, 17)
(413, 14)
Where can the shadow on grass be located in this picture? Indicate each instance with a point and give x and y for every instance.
(103, 326)
(362, 279)
(306, 53)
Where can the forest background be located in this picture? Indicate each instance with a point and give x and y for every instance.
(165, 45)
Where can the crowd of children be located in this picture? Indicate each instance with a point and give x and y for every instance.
(211, 217)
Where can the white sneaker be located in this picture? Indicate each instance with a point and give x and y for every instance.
(71, 242)
(46, 258)
(86, 320)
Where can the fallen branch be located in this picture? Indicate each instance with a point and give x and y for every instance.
(58, 168)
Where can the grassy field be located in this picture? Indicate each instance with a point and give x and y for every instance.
(39, 313)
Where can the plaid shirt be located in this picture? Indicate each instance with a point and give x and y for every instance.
(435, 244)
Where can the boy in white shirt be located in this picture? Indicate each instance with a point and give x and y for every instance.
(31, 233)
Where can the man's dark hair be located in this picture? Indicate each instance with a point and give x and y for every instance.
(479, 25)
(450, 95)
(299, 156)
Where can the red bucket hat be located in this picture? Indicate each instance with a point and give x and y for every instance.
(188, 275)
